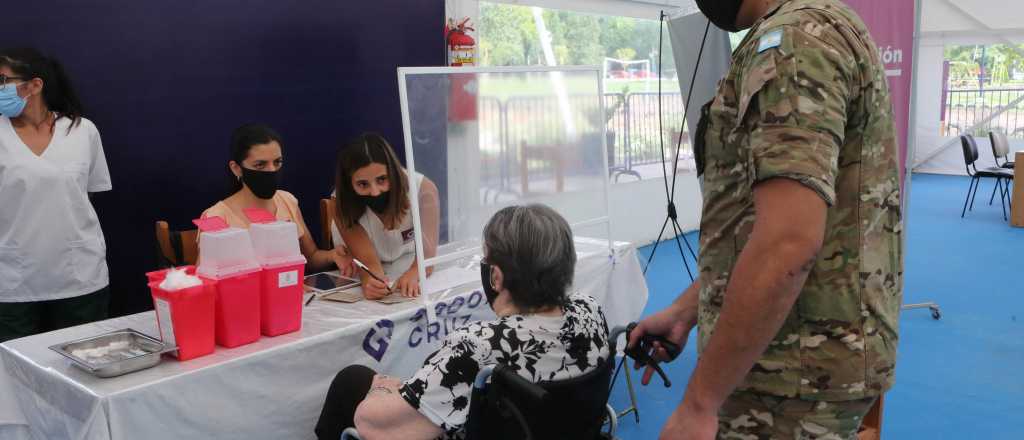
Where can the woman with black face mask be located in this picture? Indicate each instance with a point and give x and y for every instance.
(373, 216)
(255, 168)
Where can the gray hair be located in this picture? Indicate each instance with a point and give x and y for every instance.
(533, 246)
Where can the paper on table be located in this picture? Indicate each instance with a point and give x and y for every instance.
(437, 282)
(345, 296)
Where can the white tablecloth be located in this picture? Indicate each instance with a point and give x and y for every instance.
(271, 389)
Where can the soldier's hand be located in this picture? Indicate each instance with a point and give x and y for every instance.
(672, 323)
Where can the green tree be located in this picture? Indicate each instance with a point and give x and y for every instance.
(999, 62)
(625, 53)
(581, 34)
(508, 36)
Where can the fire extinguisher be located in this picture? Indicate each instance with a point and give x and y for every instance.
(461, 46)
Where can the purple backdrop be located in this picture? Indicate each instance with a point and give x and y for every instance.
(892, 25)
(166, 82)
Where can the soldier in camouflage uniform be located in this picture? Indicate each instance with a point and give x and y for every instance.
(801, 251)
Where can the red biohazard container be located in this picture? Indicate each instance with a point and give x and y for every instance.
(276, 244)
(185, 317)
(226, 256)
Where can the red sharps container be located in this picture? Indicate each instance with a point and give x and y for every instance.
(226, 256)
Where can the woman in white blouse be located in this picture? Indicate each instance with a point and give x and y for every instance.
(374, 217)
(53, 268)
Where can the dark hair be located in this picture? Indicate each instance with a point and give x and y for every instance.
(364, 150)
(534, 248)
(58, 93)
(242, 140)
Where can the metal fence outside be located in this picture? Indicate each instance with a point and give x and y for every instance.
(999, 110)
(633, 135)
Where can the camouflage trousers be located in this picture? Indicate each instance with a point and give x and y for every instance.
(752, 416)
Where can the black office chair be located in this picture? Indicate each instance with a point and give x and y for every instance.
(1001, 149)
(506, 406)
(970, 148)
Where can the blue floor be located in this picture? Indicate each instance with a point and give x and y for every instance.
(961, 377)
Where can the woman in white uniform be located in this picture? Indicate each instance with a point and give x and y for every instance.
(374, 217)
(53, 268)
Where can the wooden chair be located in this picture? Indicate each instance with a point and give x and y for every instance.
(176, 248)
(551, 154)
(326, 220)
(871, 427)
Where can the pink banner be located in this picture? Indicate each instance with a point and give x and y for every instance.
(891, 23)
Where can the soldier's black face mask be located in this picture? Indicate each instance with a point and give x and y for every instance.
(722, 13)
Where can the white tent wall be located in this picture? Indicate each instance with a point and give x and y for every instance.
(955, 22)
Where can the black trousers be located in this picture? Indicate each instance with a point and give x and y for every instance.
(21, 319)
(348, 389)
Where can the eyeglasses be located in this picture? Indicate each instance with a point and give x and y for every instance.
(4, 79)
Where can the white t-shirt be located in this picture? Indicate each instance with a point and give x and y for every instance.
(51, 244)
(389, 244)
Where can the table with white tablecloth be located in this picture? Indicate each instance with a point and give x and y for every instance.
(271, 389)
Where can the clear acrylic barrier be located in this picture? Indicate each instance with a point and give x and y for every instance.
(495, 137)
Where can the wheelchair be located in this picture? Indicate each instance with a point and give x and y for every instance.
(506, 406)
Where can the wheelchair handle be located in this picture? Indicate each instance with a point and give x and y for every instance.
(641, 352)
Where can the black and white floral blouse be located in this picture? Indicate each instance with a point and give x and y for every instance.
(540, 348)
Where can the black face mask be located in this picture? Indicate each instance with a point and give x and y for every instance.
(485, 278)
(722, 13)
(263, 184)
(378, 203)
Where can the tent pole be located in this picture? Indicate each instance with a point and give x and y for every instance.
(908, 166)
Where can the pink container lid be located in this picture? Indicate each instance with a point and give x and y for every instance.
(259, 215)
(211, 224)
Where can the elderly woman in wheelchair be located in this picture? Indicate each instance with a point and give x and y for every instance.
(547, 348)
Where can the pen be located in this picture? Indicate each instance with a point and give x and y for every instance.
(369, 272)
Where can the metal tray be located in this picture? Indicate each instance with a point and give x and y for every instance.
(115, 353)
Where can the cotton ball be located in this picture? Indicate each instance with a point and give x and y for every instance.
(177, 279)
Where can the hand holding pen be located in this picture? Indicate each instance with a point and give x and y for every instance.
(376, 287)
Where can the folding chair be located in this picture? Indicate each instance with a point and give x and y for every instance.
(1001, 149)
(176, 248)
(970, 149)
(326, 220)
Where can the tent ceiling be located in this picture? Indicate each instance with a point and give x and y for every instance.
(964, 21)
(983, 16)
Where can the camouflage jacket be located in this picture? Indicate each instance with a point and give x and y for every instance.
(806, 98)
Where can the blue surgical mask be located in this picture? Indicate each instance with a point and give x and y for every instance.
(11, 105)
